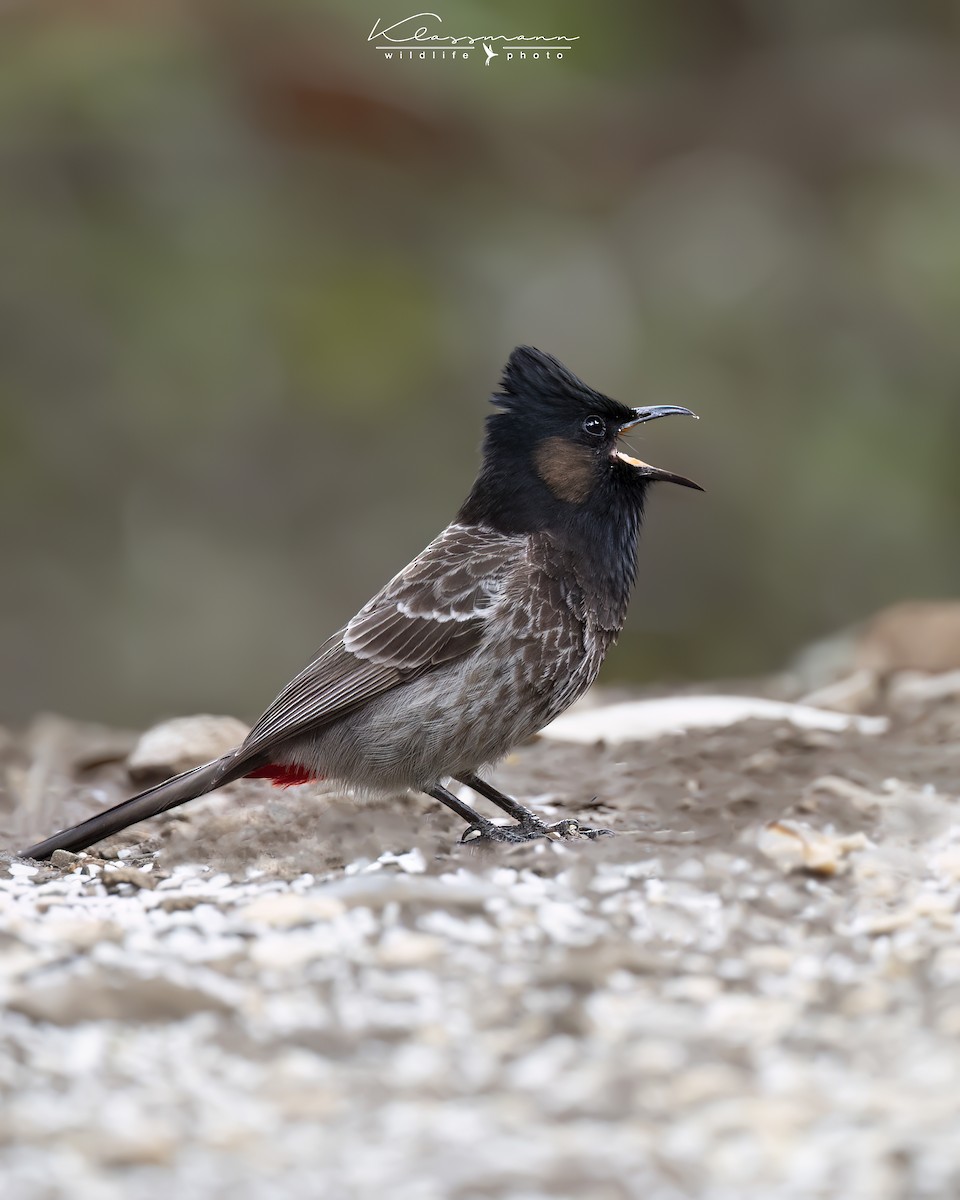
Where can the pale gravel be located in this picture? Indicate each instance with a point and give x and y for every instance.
(614, 1021)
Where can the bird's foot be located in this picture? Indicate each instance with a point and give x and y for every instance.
(530, 830)
(571, 831)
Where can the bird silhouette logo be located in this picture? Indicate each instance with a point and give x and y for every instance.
(490, 53)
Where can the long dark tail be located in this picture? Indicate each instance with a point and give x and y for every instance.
(168, 794)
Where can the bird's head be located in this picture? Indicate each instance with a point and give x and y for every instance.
(552, 448)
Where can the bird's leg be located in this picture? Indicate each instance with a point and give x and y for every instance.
(529, 824)
(510, 806)
(479, 826)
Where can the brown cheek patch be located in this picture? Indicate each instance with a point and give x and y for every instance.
(566, 469)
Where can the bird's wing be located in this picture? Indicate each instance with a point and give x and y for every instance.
(433, 611)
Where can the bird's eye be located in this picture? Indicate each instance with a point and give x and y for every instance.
(594, 427)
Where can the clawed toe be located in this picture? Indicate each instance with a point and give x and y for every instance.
(571, 831)
(526, 826)
(597, 833)
(529, 831)
(487, 831)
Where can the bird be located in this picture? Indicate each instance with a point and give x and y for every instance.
(491, 632)
(490, 53)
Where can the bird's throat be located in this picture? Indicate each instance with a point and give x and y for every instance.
(602, 554)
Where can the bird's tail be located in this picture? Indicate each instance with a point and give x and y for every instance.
(168, 794)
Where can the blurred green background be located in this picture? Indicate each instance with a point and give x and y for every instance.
(256, 283)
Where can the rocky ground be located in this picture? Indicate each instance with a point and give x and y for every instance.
(752, 991)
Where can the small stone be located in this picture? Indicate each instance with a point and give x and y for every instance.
(412, 861)
(20, 870)
(134, 1148)
(286, 952)
(799, 847)
(947, 864)
(284, 910)
(705, 1082)
(405, 948)
(181, 903)
(100, 995)
(866, 1000)
(181, 744)
(80, 933)
(915, 688)
(854, 694)
(861, 798)
(763, 762)
(769, 958)
(113, 877)
(64, 859)
(916, 635)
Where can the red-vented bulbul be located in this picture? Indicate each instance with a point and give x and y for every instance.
(490, 633)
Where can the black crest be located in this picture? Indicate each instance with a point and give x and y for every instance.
(535, 383)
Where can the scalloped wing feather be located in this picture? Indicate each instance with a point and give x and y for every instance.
(433, 611)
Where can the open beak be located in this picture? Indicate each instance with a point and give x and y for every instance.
(646, 469)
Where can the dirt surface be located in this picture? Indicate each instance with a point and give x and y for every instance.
(753, 990)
